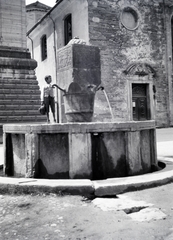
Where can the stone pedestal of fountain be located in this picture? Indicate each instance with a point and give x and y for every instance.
(79, 66)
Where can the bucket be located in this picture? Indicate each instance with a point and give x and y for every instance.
(79, 106)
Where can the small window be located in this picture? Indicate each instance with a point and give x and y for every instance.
(68, 28)
(43, 48)
(129, 18)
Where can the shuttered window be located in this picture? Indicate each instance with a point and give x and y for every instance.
(43, 47)
(68, 28)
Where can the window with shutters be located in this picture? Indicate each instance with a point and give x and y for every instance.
(43, 47)
(67, 28)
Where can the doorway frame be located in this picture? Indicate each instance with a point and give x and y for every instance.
(148, 81)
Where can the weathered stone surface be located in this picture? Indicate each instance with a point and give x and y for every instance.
(109, 155)
(78, 63)
(121, 203)
(19, 160)
(79, 127)
(140, 211)
(53, 160)
(148, 214)
(19, 91)
(31, 154)
(120, 47)
(13, 30)
(80, 155)
(146, 150)
(133, 153)
(78, 150)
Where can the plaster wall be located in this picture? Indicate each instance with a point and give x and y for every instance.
(79, 12)
(33, 17)
(48, 66)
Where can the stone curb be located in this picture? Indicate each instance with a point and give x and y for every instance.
(29, 185)
(114, 186)
(100, 188)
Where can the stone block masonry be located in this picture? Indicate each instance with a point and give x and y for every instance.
(79, 150)
(19, 90)
(80, 64)
(13, 23)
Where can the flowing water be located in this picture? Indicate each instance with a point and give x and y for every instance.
(107, 99)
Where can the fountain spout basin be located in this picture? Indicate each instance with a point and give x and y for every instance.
(80, 150)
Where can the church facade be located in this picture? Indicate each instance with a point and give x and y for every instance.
(135, 40)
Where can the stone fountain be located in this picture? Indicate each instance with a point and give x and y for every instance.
(79, 148)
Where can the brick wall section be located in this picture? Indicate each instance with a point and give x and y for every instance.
(120, 47)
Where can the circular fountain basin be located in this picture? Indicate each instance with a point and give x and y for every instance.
(80, 150)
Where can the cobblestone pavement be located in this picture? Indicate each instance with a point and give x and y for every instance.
(76, 217)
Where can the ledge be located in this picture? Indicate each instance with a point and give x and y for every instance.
(79, 127)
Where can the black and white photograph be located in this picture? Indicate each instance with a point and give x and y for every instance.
(86, 120)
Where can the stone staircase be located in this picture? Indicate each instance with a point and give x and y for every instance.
(20, 99)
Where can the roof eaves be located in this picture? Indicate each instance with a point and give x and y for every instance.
(45, 16)
(38, 5)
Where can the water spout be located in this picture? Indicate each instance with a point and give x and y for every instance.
(107, 99)
(55, 85)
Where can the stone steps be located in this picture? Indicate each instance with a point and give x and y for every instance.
(19, 91)
(22, 86)
(18, 112)
(20, 96)
(19, 107)
(12, 119)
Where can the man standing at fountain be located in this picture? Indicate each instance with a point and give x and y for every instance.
(48, 98)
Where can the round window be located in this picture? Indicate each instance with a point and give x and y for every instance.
(129, 18)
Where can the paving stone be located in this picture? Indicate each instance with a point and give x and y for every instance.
(148, 214)
(122, 203)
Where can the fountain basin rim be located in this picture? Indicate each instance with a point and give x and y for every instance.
(77, 127)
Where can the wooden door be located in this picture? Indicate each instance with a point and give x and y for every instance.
(140, 102)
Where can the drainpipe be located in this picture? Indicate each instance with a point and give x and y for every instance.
(168, 65)
(59, 93)
(32, 46)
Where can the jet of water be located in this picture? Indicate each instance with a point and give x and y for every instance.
(107, 99)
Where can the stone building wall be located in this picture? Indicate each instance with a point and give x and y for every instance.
(121, 47)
